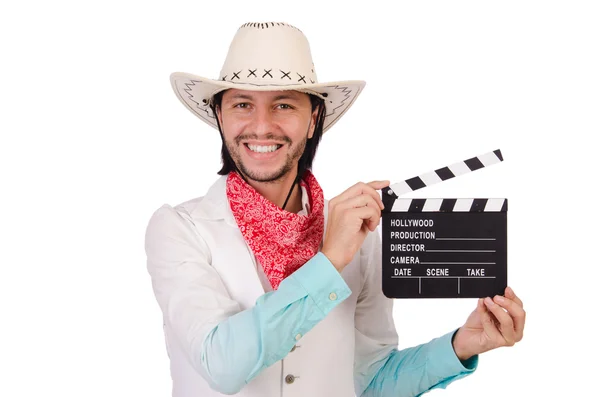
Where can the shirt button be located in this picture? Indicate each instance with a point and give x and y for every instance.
(333, 296)
(289, 379)
(298, 336)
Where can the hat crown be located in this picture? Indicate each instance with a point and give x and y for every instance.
(269, 53)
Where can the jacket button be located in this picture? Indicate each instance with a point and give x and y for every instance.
(333, 296)
(289, 379)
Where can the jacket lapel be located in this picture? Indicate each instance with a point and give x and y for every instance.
(232, 257)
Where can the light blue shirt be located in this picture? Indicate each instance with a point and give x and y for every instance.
(300, 302)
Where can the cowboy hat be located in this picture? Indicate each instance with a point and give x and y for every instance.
(268, 56)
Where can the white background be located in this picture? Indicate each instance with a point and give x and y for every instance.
(94, 140)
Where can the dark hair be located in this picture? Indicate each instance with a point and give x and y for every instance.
(305, 161)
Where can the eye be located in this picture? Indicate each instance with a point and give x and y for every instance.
(241, 105)
(284, 106)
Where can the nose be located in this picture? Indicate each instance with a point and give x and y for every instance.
(263, 122)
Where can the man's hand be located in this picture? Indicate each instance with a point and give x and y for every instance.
(351, 215)
(494, 323)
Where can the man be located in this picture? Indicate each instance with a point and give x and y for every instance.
(266, 288)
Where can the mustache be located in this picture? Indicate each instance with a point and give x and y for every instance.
(269, 136)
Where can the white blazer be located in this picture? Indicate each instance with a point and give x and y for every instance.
(204, 272)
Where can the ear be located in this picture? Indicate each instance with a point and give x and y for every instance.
(313, 123)
(218, 114)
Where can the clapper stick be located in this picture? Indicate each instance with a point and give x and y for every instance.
(391, 193)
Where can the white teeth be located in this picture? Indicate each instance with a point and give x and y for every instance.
(263, 149)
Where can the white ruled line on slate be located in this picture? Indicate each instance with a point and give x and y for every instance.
(466, 238)
(441, 277)
(458, 263)
(460, 250)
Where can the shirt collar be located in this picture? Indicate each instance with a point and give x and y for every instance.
(305, 199)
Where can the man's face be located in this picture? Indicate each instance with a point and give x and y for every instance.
(266, 131)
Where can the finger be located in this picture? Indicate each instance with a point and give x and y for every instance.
(367, 214)
(360, 201)
(489, 326)
(507, 327)
(377, 185)
(364, 200)
(360, 188)
(371, 189)
(516, 312)
(481, 307)
(510, 294)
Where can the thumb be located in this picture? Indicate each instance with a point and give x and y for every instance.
(481, 309)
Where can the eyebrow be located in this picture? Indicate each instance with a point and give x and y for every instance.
(241, 96)
(285, 96)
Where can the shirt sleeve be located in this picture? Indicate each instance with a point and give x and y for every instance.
(380, 369)
(228, 346)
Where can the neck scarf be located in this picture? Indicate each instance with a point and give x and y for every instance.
(282, 241)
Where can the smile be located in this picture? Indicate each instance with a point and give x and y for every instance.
(263, 149)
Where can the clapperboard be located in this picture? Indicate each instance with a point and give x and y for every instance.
(443, 247)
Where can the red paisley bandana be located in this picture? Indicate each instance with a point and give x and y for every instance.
(281, 241)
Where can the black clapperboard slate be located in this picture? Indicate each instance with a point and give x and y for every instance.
(444, 247)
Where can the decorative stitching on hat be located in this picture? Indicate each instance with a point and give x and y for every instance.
(263, 25)
(346, 92)
(205, 108)
(252, 72)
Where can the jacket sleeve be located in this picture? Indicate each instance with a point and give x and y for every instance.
(228, 346)
(380, 369)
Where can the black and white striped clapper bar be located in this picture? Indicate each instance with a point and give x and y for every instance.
(443, 247)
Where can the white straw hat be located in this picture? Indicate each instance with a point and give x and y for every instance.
(267, 56)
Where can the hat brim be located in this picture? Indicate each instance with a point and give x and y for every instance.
(196, 92)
